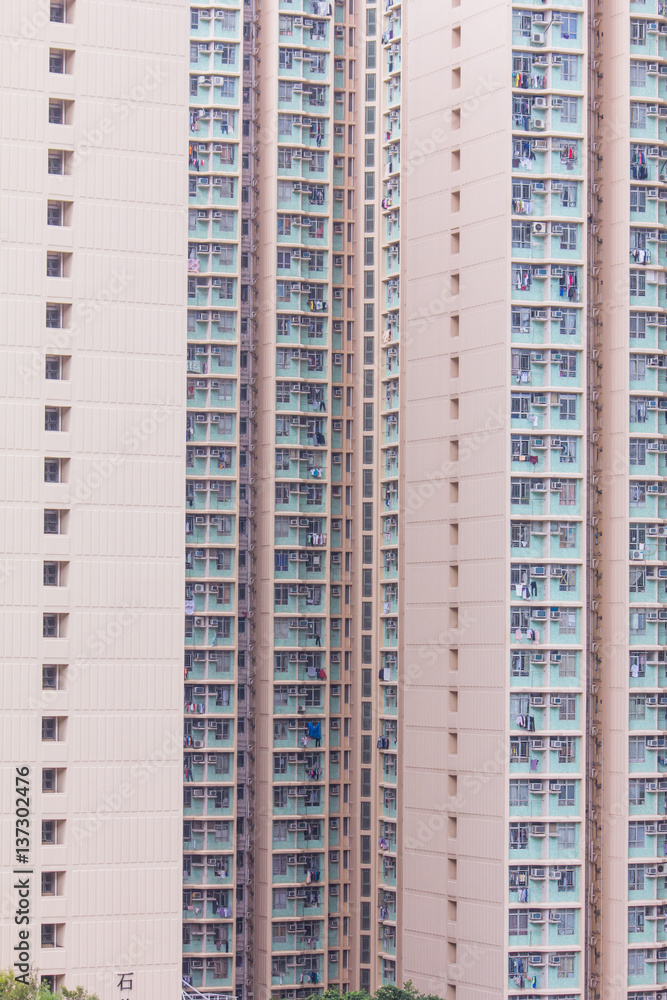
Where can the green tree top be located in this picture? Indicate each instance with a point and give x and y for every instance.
(407, 992)
(12, 989)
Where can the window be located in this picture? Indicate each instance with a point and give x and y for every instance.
(49, 779)
(280, 899)
(56, 161)
(520, 405)
(568, 322)
(567, 710)
(518, 792)
(52, 418)
(569, 113)
(566, 796)
(285, 91)
(567, 623)
(284, 225)
(56, 61)
(284, 159)
(283, 392)
(227, 187)
(566, 967)
(637, 749)
(520, 321)
(568, 494)
(226, 55)
(568, 664)
(228, 21)
(48, 936)
(518, 922)
(638, 283)
(567, 407)
(568, 239)
(637, 623)
(568, 450)
(51, 626)
(637, 31)
(50, 676)
(520, 491)
(56, 112)
(53, 366)
(567, 535)
(521, 235)
(279, 933)
(569, 26)
(49, 831)
(637, 115)
(635, 877)
(638, 367)
(284, 260)
(50, 728)
(51, 574)
(569, 67)
(638, 664)
(637, 451)
(227, 288)
(569, 194)
(54, 316)
(519, 749)
(227, 224)
(52, 470)
(566, 836)
(636, 791)
(637, 199)
(54, 213)
(636, 962)
(281, 595)
(49, 883)
(637, 75)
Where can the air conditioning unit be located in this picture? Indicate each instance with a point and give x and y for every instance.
(538, 124)
(539, 229)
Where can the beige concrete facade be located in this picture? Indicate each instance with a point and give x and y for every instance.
(424, 702)
(93, 406)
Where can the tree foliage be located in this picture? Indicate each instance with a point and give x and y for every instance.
(12, 989)
(406, 992)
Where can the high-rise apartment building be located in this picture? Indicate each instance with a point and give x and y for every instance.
(92, 266)
(445, 664)
(425, 702)
(291, 730)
